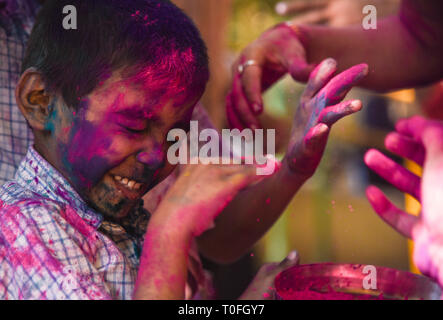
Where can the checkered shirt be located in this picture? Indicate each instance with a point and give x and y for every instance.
(54, 246)
(16, 20)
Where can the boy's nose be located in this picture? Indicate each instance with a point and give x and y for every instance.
(154, 158)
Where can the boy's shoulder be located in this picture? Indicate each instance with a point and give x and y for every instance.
(24, 203)
(24, 211)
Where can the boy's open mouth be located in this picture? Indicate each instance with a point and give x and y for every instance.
(130, 188)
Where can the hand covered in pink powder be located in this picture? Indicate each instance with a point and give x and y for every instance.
(320, 107)
(276, 52)
(187, 210)
(421, 141)
(202, 191)
(262, 286)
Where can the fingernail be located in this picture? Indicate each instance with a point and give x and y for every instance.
(327, 64)
(321, 128)
(292, 255)
(281, 8)
(356, 103)
(256, 107)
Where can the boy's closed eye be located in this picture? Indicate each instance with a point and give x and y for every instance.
(133, 126)
(134, 120)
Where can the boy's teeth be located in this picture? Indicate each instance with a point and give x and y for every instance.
(130, 184)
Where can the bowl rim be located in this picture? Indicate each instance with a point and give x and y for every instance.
(418, 286)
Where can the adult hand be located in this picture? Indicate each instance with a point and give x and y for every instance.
(262, 286)
(275, 53)
(320, 107)
(421, 141)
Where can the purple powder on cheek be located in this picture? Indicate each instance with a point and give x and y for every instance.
(81, 157)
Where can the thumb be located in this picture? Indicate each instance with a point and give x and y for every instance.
(316, 139)
(292, 259)
(300, 70)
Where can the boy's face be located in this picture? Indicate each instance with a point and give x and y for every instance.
(113, 149)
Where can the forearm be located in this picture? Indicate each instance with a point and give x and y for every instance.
(249, 216)
(163, 265)
(404, 50)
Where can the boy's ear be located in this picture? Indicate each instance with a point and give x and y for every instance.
(32, 99)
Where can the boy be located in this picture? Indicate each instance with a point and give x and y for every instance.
(100, 101)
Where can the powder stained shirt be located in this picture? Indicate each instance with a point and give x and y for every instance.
(54, 246)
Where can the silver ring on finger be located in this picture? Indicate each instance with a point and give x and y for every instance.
(243, 66)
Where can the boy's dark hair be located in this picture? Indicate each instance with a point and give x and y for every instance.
(112, 35)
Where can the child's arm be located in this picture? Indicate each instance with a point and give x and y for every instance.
(254, 210)
(188, 209)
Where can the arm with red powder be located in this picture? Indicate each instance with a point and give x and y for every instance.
(245, 220)
(200, 193)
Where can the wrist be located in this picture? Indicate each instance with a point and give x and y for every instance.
(298, 31)
(291, 175)
(167, 222)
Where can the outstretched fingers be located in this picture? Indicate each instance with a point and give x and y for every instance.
(316, 139)
(337, 88)
(318, 78)
(394, 173)
(331, 115)
(396, 218)
(405, 147)
(412, 127)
